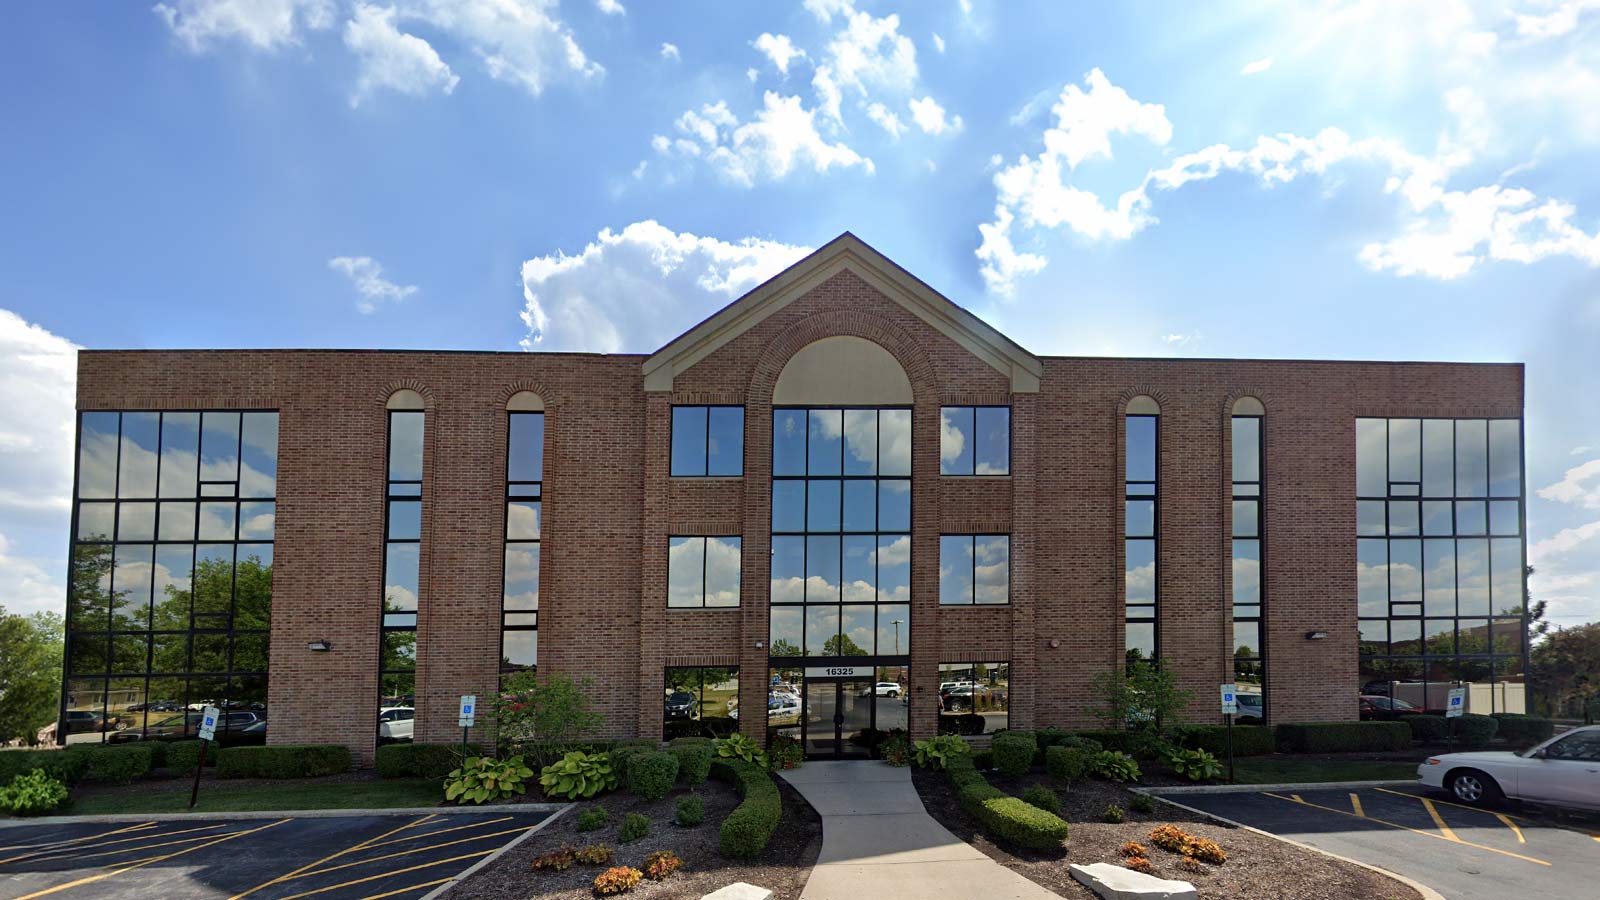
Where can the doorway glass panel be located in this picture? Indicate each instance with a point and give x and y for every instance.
(855, 718)
(822, 702)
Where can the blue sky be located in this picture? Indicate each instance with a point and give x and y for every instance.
(1379, 180)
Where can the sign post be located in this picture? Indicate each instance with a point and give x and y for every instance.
(467, 718)
(1230, 708)
(208, 733)
(1454, 707)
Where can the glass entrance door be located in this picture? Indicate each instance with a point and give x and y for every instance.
(838, 719)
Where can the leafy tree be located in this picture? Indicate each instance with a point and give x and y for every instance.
(1566, 668)
(30, 673)
(1142, 698)
(542, 716)
(781, 647)
(842, 645)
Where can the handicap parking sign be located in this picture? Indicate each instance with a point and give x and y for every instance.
(1230, 700)
(208, 723)
(1457, 704)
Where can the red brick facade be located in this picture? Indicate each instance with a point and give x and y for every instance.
(609, 507)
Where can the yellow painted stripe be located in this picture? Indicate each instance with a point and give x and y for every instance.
(154, 859)
(1506, 821)
(188, 840)
(362, 862)
(1297, 798)
(334, 887)
(333, 856)
(1448, 803)
(1433, 813)
(429, 834)
(1406, 828)
(72, 852)
(414, 887)
(77, 840)
(1355, 804)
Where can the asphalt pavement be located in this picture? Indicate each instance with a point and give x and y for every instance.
(358, 857)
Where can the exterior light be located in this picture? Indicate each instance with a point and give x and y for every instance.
(319, 646)
(1054, 643)
(760, 644)
(1316, 635)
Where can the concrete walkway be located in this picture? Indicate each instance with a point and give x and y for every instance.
(878, 841)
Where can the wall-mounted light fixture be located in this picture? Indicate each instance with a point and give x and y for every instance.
(1054, 643)
(761, 645)
(1316, 635)
(319, 646)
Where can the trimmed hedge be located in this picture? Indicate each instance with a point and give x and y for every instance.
(694, 760)
(1339, 737)
(1248, 740)
(420, 760)
(1112, 740)
(1475, 730)
(1013, 752)
(1067, 764)
(1524, 730)
(116, 763)
(283, 761)
(1003, 817)
(746, 830)
(1427, 727)
(983, 759)
(651, 775)
(63, 766)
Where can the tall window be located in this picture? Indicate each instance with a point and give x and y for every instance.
(1141, 527)
(519, 603)
(841, 523)
(169, 598)
(975, 440)
(1249, 598)
(700, 701)
(707, 441)
(402, 533)
(703, 572)
(974, 569)
(974, 698)
(1439, 561)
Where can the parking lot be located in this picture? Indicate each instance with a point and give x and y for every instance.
(1463, 852)
(333, 858)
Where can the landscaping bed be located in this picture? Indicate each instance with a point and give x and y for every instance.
(349, 790)
(783, 866)
(1258, 867)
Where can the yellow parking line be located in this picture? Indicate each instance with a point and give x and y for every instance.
(1445, 802)
(189, 840)
(333, 856)
(77, 840)
(414, 887)
(1506, 821)
(1407, 828)
(1438, 820)
(1355, 803)
(334, 887)
(72, 852)
(362, 862)
(154, 859)
(428, 834)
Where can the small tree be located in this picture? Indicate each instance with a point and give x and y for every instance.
(1142, 698)
(541, 717)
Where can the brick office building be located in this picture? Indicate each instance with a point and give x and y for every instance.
(842, 499)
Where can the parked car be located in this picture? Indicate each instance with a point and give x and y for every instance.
(961, 697)
(887, 689)
(187, 724)
(1383, 709)
(79, 721)
(1251, 709)
(396, 723)
(679, 705)
(1563, 771)
(779, 706)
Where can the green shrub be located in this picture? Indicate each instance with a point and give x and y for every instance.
(1112, 814)
(786, 753)
(1524, 730)
(32, 794)
(67, 768)
(983, 760)
(1067, 764)
(694, 762)
(1343, 737)
(1042, 797)
(1002, 817)
(936, 752)
(1474, 730)
(1124, 741)
(594, 818)
(896, 748)
(690, 810)
(1050, 737)
(421, 760)
(1082, 742)
(634, 827)
(116, 763)
(1195, 765)
(746, 830)
(578, 776)
(484, 778)
(1426, 728)
(1013, 752)
(651, 775)
(1248, 740)
(737, 746)
(283, 761)
(1142, 803)
(1114, 765)
(183, 756)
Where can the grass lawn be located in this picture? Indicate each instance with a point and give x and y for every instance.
(220, 796)
(1296, 770)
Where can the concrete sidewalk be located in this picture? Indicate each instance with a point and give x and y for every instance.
(878, 841)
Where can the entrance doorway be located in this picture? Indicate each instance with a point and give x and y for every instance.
(838, 718)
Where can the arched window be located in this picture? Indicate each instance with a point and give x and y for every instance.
(1141, 527)
(402, 551)
(1249, 557)
(519, 604)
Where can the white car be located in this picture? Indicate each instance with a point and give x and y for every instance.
(888, 689)
(1563, 771)
(396, 723)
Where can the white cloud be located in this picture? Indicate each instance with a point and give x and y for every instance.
(1562, 21)
(752, 74)
(1580, 485)
(521, 42)
(930, 117)
(636, 289)
(29, 589)
(1579, 450)
(610, 7)
(938, 42)
(1181, 340)
(262, 24)
(869, 53)
(1562, 542)
(389, 59)
(782, 138)
(1255, 67)
(366, 275)
(670, 51)
(890, 122)
(39, 370)
(778, 48)
(825, 10)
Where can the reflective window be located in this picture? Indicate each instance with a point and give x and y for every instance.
(974, 569)
(974, 697)
(975, 440)
(169, 600)
(707, 441)
(397, 657)
(519, 595)
(1141, 544)
(701, 701)
(1249, 543)
(703, 571)
(1440, 581)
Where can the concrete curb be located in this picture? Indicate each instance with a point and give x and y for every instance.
(1427, 893)
(471, 870)
(1245, 788)
(285, 813)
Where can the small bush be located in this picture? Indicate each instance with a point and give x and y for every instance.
(1248, 740)
(786, 753)
(1050, 737)
(1474, 730)
(1133, 848)
(1140, 864)
(1143, 804)
(1427, 728)
(896, 748)
(1081, 742)
(1001, 817)
(694, 762)
(1042, 797)
(1343, 737)
(1192, 866)
(617, 880)
(737, 746)
(935, 753)
(1125, 741)
(578, 776)
(1112, 814)
(283, 761)
(1195, 765)
(420, 760)
(594, 855)
(1173, 839)
(690, 810)
(557, 860)
(484, 778)
(65, 767)
(624, 752)
(634, 827)
(983, 759)
(1067, 764)
(1114, 765)
(746, 830)
(1170, 838)
(594, 818)
(183, 756)
(1013, 752)
(651, 775)
(116, 763)
(32, 794)
(1524, 730)
(660, 864)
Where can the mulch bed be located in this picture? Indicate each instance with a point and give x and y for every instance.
(783, 867)
(1258, 867)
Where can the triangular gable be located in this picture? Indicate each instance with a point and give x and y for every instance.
(844, 252)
